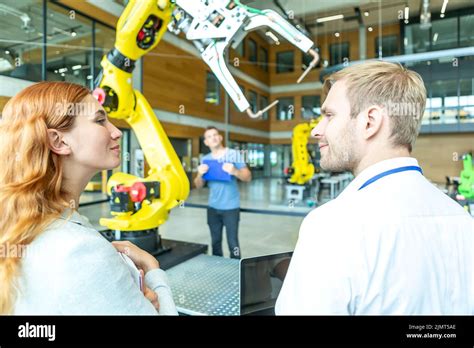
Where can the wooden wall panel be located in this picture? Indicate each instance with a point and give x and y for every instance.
(251, 68)
(175, 80)
(435, 153)
(91, 11)
(241, 118)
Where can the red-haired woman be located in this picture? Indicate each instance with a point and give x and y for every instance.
(54, 136)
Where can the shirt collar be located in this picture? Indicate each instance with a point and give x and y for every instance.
(74, 217)
(376, 169)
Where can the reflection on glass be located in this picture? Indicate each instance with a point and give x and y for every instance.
(263, 58)
(253, 101)
(252, 46)
(389, 46)
(104, 42)
(466, 35)
(444, 34)
(263, 105)
(285, 109)
(466, 100)
(311, 106)
(240, 49)
(69, 46)
(285, 61)
(416, 39)
(21, 38)
(212, 89)
(338, 53)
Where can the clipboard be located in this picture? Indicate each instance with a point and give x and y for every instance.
(215, 172)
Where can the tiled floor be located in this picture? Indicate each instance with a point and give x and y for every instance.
(259, 234)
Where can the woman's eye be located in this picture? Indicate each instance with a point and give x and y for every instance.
(101, 121)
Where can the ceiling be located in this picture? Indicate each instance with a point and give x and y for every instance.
(380, 11)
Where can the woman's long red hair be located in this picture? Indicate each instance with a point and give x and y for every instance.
(31, 192)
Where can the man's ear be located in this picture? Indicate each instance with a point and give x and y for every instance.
(57, 143)
(205, 142)
(373, 119)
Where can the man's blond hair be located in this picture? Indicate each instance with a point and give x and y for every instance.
(400, 91)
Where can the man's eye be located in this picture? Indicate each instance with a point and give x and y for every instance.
(101, 121)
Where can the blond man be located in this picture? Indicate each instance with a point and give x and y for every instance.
(391, 242)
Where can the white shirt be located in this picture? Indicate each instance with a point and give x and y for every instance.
(71, 269)
(397, 246)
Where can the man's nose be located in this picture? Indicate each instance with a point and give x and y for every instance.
(318, 131)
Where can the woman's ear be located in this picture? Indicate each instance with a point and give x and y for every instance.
(57, 143)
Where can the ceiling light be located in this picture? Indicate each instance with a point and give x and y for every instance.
(407, 12)
(73, 33)
(5, 65)
(435, 37)
(76, 67)
(330, 18)
(443, 8)
(366, 13)
(7, 52)
(370, 28)
(442, 15)
(273, 37)
(336, 34)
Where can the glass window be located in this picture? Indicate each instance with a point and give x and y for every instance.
(337, 52)
(285, 61)
(389, 46)
(467, 31)
(252, 46)
(240, 49)
(263, 105)
(416, 40)
(466, 100)
(311, 106)
(286, 109)
(212, 89)
(263, 58)
(21, 21)
(253, 101)
(104, 42)
(69, 46)
(444, 34)
(444, 101)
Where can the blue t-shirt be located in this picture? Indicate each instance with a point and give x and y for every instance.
(224, 195)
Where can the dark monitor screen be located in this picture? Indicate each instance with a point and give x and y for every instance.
(261, 279)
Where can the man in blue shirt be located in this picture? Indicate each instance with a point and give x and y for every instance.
(224, 198)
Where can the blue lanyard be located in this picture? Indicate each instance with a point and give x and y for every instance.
(388, 172)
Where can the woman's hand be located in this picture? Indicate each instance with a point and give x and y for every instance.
(150, 294)
(140, 257)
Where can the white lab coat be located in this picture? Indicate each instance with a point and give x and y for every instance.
(397, 246)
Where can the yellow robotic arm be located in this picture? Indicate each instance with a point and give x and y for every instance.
(140, 204)
(302, 170)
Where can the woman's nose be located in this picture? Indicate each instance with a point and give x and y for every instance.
(115, 133)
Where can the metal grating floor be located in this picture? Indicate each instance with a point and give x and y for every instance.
(206, 285)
